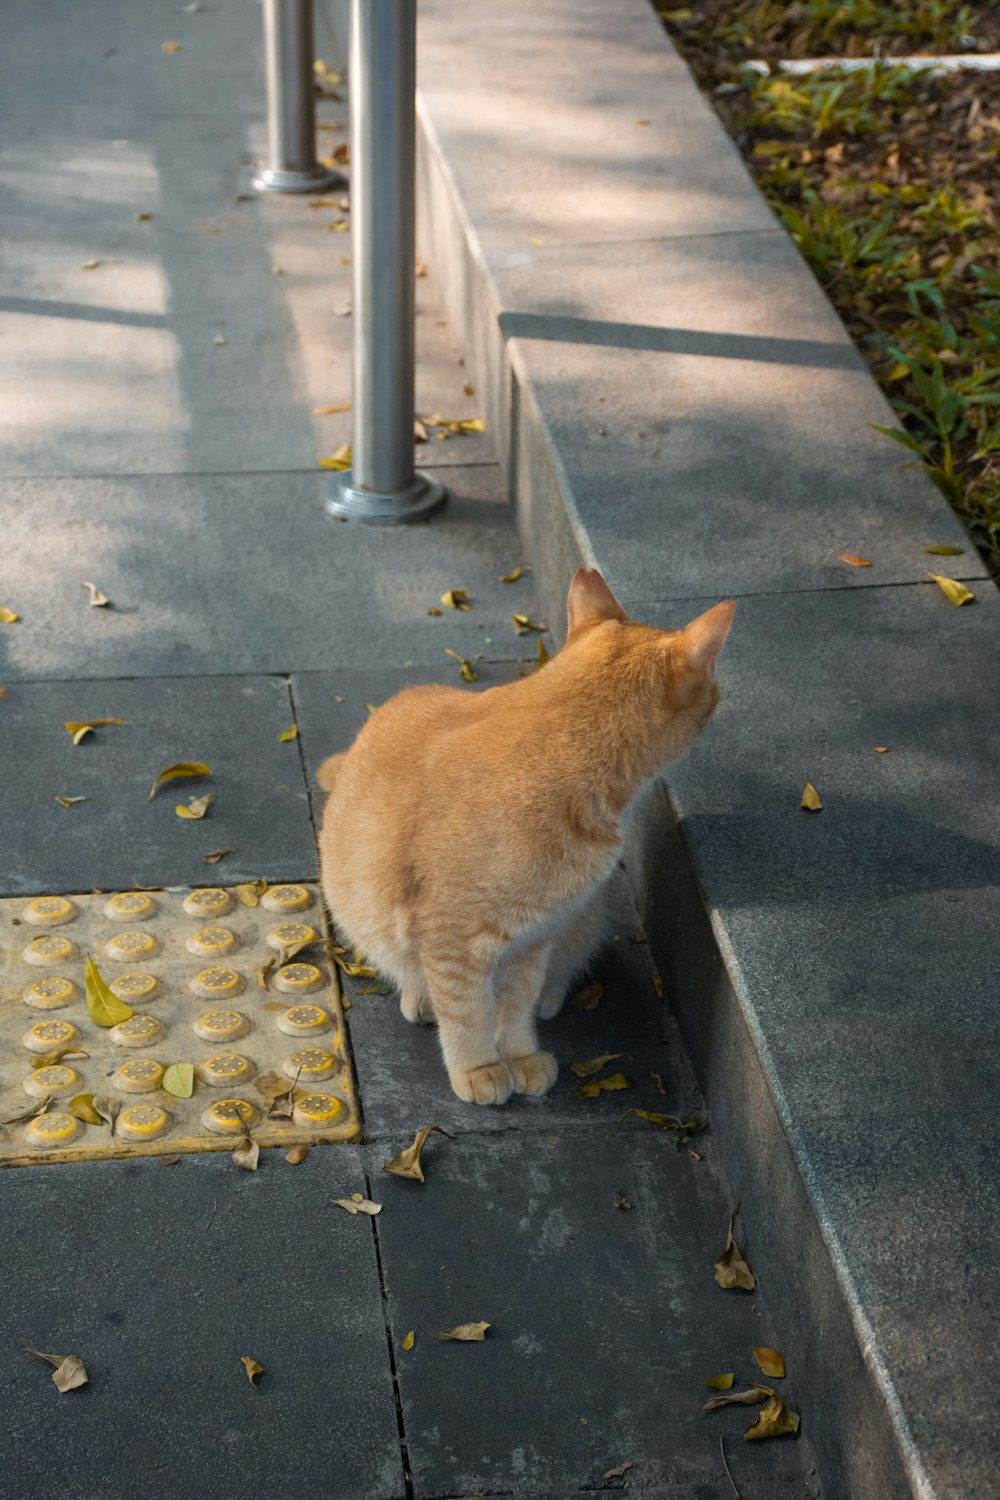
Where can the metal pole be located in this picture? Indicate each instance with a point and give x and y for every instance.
(382, 486)
(291, 106)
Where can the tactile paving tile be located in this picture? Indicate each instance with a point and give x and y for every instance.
(187, 963)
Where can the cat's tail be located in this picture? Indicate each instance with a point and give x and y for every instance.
(327, 773)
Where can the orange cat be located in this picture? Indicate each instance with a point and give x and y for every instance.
(469, 837)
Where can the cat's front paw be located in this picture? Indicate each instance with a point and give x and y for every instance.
(550, 1005)
(534, 1074)
(490, 1084)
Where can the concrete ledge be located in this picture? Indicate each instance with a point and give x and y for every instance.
(673, 400)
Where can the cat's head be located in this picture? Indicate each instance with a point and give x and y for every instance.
(672, 670)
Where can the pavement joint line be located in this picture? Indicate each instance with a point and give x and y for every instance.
(404, 1450)
(835, 588)
(283, 675)
(426, 463)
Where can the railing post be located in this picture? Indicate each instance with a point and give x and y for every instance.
(291, 105)
(382, 486)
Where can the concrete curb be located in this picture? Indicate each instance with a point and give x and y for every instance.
(563, 308)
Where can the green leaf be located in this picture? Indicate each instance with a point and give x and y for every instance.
(944, 551)
(103, 1006)
(721, 1382)
(179, 1080)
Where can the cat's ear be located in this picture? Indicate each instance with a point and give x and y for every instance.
(590, 601)
(702, 640)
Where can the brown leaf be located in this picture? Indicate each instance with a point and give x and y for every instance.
(522, 625)
(620, 1201)
(328, 411)
(247, 1154)
(810, 799)
(29, 1111)
(731, 1270)
(589, 998)
(297, 1154)
(454, 598)
(661, 1087)
(773, 1420)
(249, 894)
(617, 1472)
(594, 1064)
(770, 1361)
(69, 1372)
(70, 801)
(750, 1397)
(609, 1085)
(407, 1163)
(216, 855)
(264, 971)
(107, 1108)
(464, 1333)
(171, 47)
(253, 1369)
(168, 1161)
(49, 1059)
(853, 560)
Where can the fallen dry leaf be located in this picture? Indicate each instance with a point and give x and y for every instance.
(810, 799)
(141, 218)
(409, 1340)
(270, 1084)
(465, 668)
(82, 1108)
(246, 1154)
(297, 1154)
(70, 801)
(514, 574)
(589, 998)
(434, 611)
(103, 1006)
(619, 1200)
(853, 560)
(770, 1361)
(265, 971)
(167, 1161)
(179, 1080)
(880, 749)
(328, 411)
(341, 459)
(750, 1397)
(287, 735)
(97, 598)
(107, 1108)
(942, 551)
(358, 1205)
(463, 1333)
(721, 1382)
(731, 1270)
(253, 1369)
(171, 47)
(656, 981)
(661, 1087)
(50, 1059)
(79, 729)
(8, 616)
(215, 855)
(608, 1085)
(594, 1064)
(773, 1420)
(665, 1122)
(181, 770)
(196, 808)
(456, 599)
(69, 1372)
(542, 656)
(407, 1163)
(220, 341)
(250, 892)
(617, 1471)
(29, 1111)
(92, 265)
(522, 625)
(956, 592)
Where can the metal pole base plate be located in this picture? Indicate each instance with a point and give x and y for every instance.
(416, 503)
(314, 179)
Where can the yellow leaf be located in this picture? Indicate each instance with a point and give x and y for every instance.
(750, 1397)
(465, 668)
(287, 735)
(69, 1372)
(409, 1340)
(810, 799)
(407, 1163)
(8, 616)
(942, 551)
(880, 749)
(731, 1270)
(514, 574)
(181, 770)
(104, 1007)
(952, 589)
(721, 1382)
(773, 1420)
(665, 1122)
(70, 801)
(542, 658)
(97, 598)
(82, 1108)
(359, 1205)
(78, 730)
(472, 424)
(770, 1361)
(465, 1333)
(179, 1080)
(196, 808)
(215, 855)
(328, 411)
(171, 47)
(589, 998)
(594, 1064)
(608, 1085)
(340, 459)
(250, 893)
(853, 560)
(297, 1154)
(522, 625)
(253, 1369)
(456, 599)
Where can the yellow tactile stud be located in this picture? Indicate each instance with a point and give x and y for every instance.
(304, 1020)
(225, 1069)
(211, 901)
(50, 994)
(52, 1082)
(138, 1031)
(140, 1075)
(286, 898)
(212, 942)
(47, 951)
(45, 1036)
(309, 1065)
(141, 1122)
(53, 1129)
(290, 932)
(221, 1026)
(130, 906)
(49, 911)
(134, 986)
(217, 983)
(129, 947)
(229, 1117)
(316, 1110)
(298, 979)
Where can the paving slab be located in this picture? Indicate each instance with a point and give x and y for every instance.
(605, 1323)
(227, 574)
(117, 839)
(160, 1278)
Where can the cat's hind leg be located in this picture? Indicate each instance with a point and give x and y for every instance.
(518, 987)
(580, 937)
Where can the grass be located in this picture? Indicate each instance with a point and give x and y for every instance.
(888, 180)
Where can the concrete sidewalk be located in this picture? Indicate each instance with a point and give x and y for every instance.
(161, 441)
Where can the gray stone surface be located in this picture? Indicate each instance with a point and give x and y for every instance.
(160, 1278)
(604, 1323)
(118, 839)
(226, 574)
